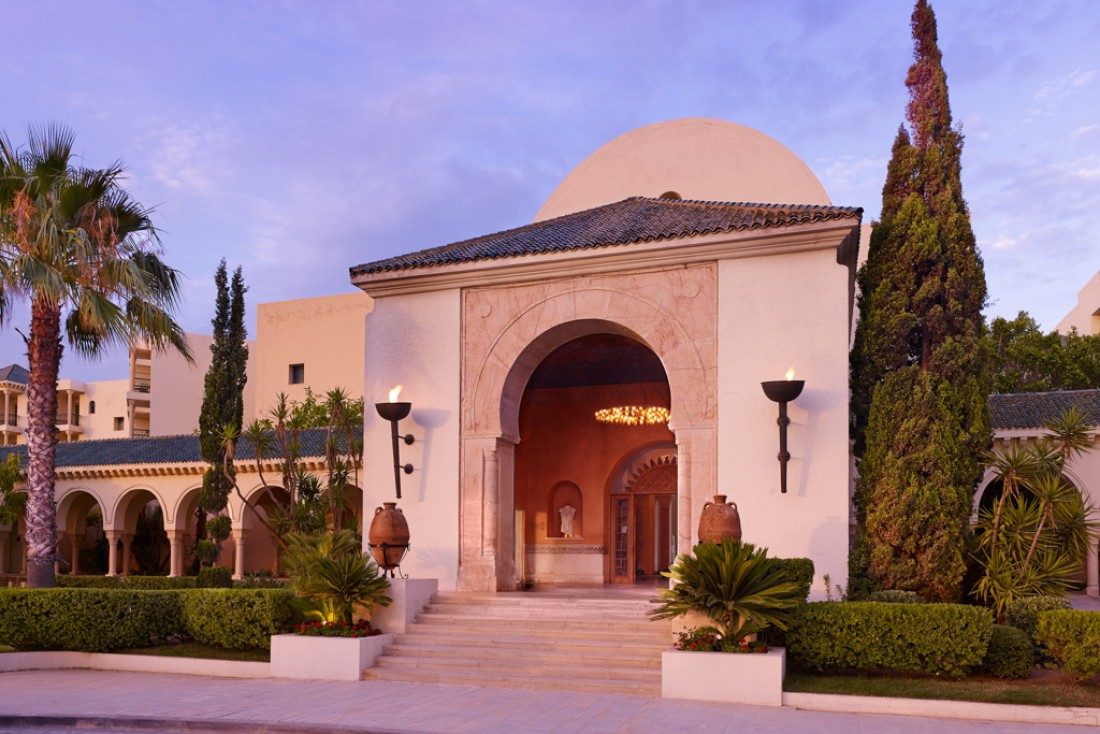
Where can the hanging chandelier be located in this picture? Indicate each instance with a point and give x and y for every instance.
(633, 415)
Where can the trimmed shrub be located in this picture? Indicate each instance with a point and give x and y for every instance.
(237, 618)
(798, 570)
(936, 639)
(896, 596)
(214, 577)
(136, 583)
(89, 620)
(1009, 654)
(1073, 639)
(260, 580)
(89, 582)
(1023, 613)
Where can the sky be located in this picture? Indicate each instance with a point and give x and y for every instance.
(298, 138)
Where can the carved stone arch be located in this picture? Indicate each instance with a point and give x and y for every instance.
(508, 331)
(180, 510)
(121, 507)
(656, 476)
(69, 496)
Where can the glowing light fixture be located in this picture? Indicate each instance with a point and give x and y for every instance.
(394, 411)
(633, 415)
(783, 392)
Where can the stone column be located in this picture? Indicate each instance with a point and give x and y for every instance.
(1092, 572)
(112, 551)
(696, 479)
(175, 552)
(75, 540)
(127, 539)
(238, 552)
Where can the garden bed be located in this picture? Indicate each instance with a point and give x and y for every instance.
(1044, 688)
(201, 651)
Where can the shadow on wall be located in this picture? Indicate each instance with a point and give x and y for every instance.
(429, 419)
(822, 544)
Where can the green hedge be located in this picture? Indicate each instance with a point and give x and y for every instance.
(1023, 613)
(936, 639)
(100, 620)
(798, 570)
(143, 583)
(237, 618)
(89, 620)
(1073, 639)
(1009, 654)
(896, 596)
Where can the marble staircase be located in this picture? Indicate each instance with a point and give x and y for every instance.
(575, 640)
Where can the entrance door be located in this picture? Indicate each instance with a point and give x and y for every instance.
(643, 526)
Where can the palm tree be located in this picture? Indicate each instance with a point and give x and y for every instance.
(84, 255)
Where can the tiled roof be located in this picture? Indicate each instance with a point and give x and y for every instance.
(155, 450)
(1035, 410)
(633, 220)
(14, 373)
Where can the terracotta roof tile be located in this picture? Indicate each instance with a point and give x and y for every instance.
(1035, 410)
(634, 220)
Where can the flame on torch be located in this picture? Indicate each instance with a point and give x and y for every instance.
(790, 374)
(394, 393)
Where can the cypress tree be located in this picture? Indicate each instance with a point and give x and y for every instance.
(223, 396)
(919, 390)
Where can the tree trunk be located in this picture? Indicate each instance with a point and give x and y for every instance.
(43, 360)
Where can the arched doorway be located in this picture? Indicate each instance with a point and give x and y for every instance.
(574, 491)
(82, 543)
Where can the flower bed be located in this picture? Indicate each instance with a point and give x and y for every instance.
(324, 658)
(362, 628)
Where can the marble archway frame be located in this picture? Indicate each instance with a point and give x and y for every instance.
(508, 331)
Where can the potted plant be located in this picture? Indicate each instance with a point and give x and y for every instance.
(332, 579)
(741, 593)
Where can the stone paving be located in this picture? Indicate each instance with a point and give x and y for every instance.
(104, 700)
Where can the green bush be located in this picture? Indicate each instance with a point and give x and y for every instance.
(1009, 654)
(798, 570)
(896, 596)
(89, 582)
(1023, 613)
(89, 620)
(936, 639)
(237, 619)
(260, 580)
(1073, 639)
(135, 583)
(214, 577)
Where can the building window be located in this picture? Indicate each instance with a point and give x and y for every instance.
(297, 374)
(120, 423)
(91, 407)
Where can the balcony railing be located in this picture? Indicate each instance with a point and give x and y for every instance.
(141, 384)
(63, 419)
(139, 432)
(11, 419)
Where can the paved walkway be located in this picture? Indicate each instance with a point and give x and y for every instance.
(283, 705)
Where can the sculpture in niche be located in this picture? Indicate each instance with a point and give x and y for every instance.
(567, 512)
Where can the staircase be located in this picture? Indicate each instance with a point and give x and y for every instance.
(596, 640)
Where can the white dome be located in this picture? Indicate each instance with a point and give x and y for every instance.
(695, 158)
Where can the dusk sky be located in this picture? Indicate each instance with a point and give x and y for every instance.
(298, 139)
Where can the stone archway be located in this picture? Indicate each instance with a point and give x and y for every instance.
(507, 332)
(79, 530)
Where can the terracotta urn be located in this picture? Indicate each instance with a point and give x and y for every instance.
(719, 520)
(388, 535)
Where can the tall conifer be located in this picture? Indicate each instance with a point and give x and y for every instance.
(223, 396)
(918, 387)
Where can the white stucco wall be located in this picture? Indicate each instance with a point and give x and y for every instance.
(110, 402)
(776, 313)
(323, 334)
(1085, 316)
(176, 388)
(413, 341)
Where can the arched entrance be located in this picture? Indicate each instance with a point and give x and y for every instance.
(642, 512)
(82, 544)
(509, 332)
(568, 464)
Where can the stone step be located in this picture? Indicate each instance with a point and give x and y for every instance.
(632, 610)
(485, 680)
(571, 623)
(640, 657)
(526, 667)
(579, 644)
(489, 632)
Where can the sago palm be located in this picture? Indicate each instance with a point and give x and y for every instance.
(84, 256)
(332, 576)
(734, 584)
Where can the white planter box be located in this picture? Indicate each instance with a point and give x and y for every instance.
(754, 678)
(324, 658)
